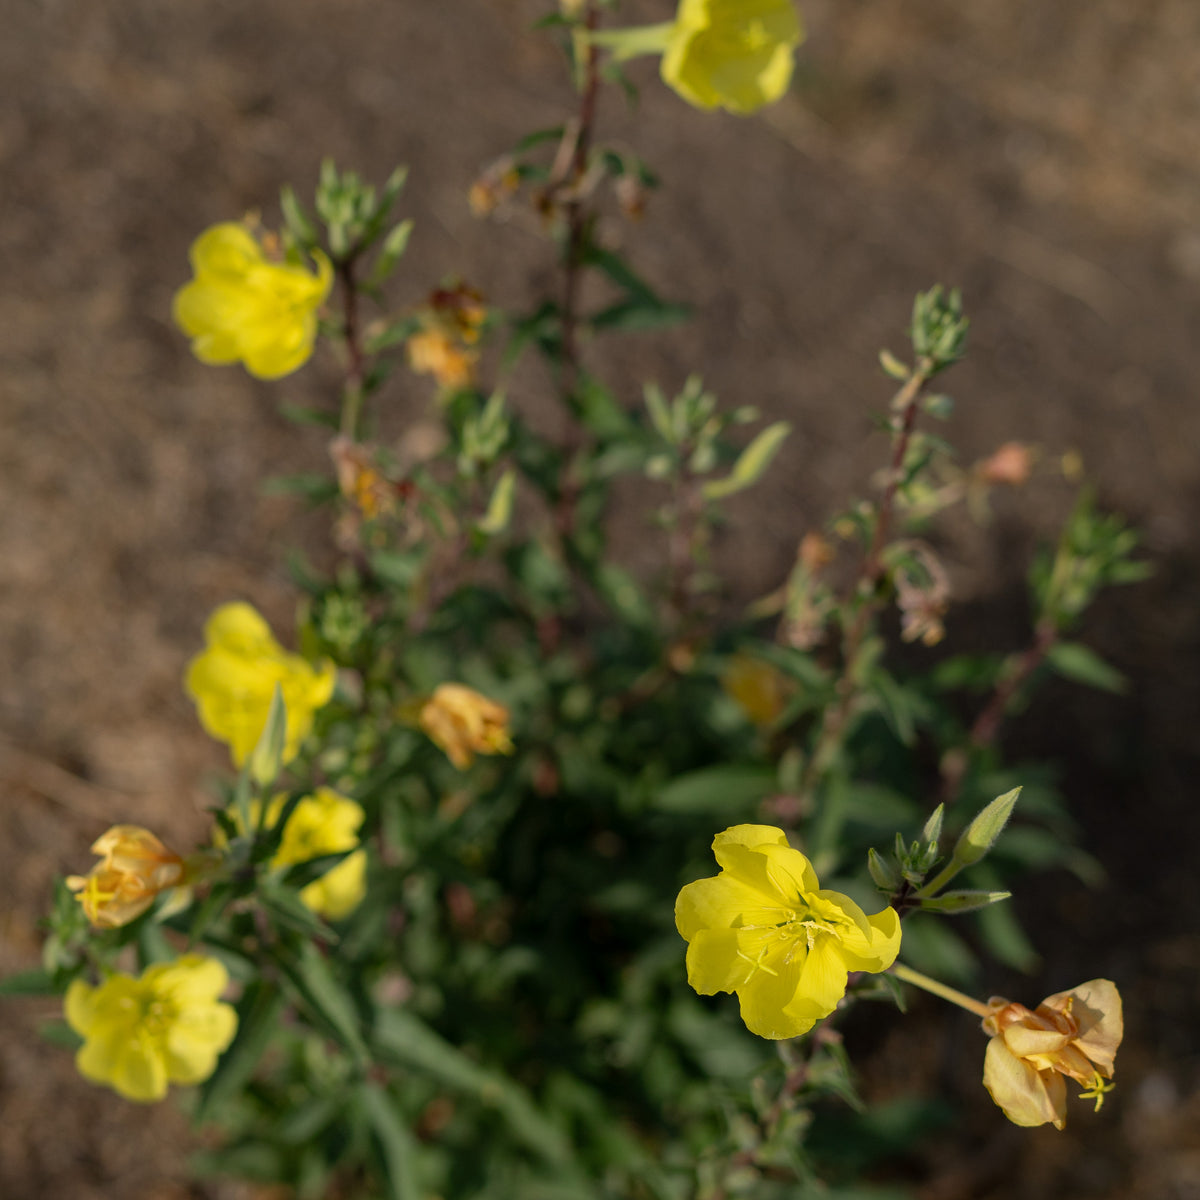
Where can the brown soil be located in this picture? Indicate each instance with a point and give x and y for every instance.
(1043, 155)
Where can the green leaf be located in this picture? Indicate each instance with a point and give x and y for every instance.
(321, 997)
(266, 759)
(35, 981)
(316, 489)
(1077, 662)
(964, 900)
(499, 509)
(258, 1011)
(397, 1146)
(728, 789)
(751, 464)
(394, 246)
(403, 1039)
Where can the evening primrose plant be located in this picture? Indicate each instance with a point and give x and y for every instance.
(454, 929)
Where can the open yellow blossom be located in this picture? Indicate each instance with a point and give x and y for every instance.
(758, 688)
(166, 1026)
(766, 930)
(464, 722)
(134, 867)
(731, 54)
(242, 307)
(233, 681)
(324, 823)
(1071, 1034)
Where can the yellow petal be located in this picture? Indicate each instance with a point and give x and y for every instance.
(768, 1002)
(1028, 1097)
(715, 962)
(1026, 1043)
(140, 1071)
(822, 982)
(78, 1007)
(1097, 1012)
(878, 949)
(195, 1040)
(722, 902)
(190, 980)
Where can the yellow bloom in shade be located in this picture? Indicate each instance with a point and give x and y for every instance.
(324, 823)
(242, 307)
(463, 722)
(1071, 1034)
(134, 867)
(233, 680)
(766, 930)
(757, 687)
(731, 54)
(167, 1026)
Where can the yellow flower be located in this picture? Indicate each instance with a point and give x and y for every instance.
(324, 823)
(134, 867)
(758, 688)
(464, 723)
(1031, 1054)
(731, 54)
(167, 1026)
(242, 307)
(234, 679)
(766, 930)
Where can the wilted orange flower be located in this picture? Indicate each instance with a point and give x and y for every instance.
(1011, 463)
(1071, 1034)
(360, 481)
(464, 722)
(433, 351)
(134, 867)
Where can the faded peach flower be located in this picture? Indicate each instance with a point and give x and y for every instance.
(1030, 1056)
(1011, 463)
(435, 352)
(134, 868)
(464, 722)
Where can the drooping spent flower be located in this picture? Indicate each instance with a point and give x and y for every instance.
(233, 681)
(1030, 1055)
(166, 1026)
(134, 868)
(243, 307)
(464, 722)
(731, 54)
(445, 344)
(765, 929)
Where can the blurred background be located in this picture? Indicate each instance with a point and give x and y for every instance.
(1043, 155)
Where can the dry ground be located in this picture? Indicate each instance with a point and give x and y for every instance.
(1043, 154)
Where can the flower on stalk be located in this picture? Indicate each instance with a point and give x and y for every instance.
(1071, 1034)
(233, 681)
(766, 930)
(731, 54)
(324, 823)
(243, 307)
(134, 868)
(166, 1026)
(464, 722)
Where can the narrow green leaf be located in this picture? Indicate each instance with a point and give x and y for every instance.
(33, 982)
(752, 462)
(258, 1012)
(321, 997)
(500, 506)
(397, 1146)
(964, 900)
(1077, 662)
(729, 789)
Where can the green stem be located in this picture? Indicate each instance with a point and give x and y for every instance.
(940, 989)
(635, 41)
(940, 880)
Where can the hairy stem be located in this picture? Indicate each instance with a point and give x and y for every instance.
(908, 975)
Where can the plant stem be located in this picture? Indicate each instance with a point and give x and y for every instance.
(986, 727)
(940, 989)
(866, 589)
(352, 388)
